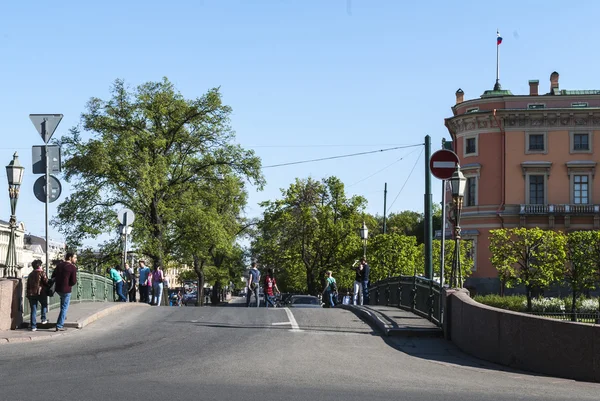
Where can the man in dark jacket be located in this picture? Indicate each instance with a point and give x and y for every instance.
(366, 269)
(65, 277)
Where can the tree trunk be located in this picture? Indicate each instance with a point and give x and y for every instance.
(157, 234)
(573, 307)
(310, 282)
(528, 298)
(199, 269)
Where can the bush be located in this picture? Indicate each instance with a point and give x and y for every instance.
(582, 305)
(513, 302)
(550, 305)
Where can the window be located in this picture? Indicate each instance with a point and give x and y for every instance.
(536, 190)
(470, 245)
(472, 110)
(581, 189)
(471, 195)
(536, 142)
(471, 145)
(581, 142)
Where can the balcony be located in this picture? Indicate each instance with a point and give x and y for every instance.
(559, 209)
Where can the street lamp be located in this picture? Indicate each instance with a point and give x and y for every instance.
(14, 172)
(458, 183)
(364, 235)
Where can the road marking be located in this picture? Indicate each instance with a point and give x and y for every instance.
(293, 321)
(280, 323)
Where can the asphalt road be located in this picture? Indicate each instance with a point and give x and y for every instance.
(228, 353)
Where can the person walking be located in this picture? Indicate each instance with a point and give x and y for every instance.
(144, 280)
(253, 285)
(330, 290)
(366, 269)
(358, 288)
(65, 277)
(157, 285)
(270, 285)
(36, 284)
(118, 282)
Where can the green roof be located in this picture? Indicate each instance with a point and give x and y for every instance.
(580, 92)
(498, 93)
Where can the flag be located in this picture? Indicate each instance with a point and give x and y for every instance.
(499, 40)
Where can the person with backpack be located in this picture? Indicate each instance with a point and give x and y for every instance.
(330, 290)
(270, 284)
(37, 281)
(253, 285)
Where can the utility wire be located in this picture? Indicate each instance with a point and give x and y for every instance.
(342, 156)
(379, 171)
(407, 178)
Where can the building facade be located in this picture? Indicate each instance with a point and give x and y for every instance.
(530, 161)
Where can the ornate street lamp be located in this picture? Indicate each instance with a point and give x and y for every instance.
(364, 235)
(14, 171)
(458, 183)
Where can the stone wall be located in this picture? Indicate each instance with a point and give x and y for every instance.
(542, 345)
(11, 314)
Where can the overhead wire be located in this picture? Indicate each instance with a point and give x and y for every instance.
(379, 171)
(407, 178)
(341, 156)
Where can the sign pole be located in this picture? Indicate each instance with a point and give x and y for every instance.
(46, 203)
(428, 212)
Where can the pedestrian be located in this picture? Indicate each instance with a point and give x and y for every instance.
(37, 281)
(366, 269)
(157, 285)
(144, 282)
(358, 279)
(330, 289)
(179, 298)
(118, 282)
(253, 285)
(65, 277)
(270, 285)
(131, 282)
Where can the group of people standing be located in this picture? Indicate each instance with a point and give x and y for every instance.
(361, 285)
(150, 282)
(269, 287)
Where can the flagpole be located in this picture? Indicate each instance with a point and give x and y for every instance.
(497, 86)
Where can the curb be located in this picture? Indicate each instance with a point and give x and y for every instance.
(74, 325)
(375, 319)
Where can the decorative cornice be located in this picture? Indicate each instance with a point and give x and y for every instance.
(527, 119)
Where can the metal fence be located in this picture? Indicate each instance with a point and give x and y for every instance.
(417, 294)
(89, 288)
(589, 317)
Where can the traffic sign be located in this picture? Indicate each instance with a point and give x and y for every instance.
(443, 164)
(126, 217)
(46, 124)
(38, 159)
(39, 189)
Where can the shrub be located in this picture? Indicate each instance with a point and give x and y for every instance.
(513, 302)
(551, 305)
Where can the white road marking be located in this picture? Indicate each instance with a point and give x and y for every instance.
(280, 323)
(293, 321)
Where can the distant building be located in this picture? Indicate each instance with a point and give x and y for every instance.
(530, 161)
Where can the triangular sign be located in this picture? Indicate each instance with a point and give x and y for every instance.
(46, 124)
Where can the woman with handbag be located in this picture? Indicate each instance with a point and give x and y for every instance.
(37, 281)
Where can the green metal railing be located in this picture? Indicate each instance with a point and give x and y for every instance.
(417, 294)
(89, 288)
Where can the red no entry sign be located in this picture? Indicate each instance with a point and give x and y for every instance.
(443, 164)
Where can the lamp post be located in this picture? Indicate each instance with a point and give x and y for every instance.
(459, 183)
(364, 235)
(14, 172)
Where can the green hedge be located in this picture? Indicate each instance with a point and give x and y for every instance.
(513, 302)
(518, 303)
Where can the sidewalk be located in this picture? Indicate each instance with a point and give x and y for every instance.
(78, 316)
(392, 321)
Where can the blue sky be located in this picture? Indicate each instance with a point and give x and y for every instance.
(306, 78)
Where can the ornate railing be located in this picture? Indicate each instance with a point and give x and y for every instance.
(89, 288)
(417, 294)
(559, 209)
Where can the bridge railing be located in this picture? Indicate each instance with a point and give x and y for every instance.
(417, 294)
(89, 288)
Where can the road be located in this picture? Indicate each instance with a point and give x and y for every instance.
(230, 352)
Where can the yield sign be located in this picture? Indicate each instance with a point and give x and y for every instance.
(46, 124)
(443, 164)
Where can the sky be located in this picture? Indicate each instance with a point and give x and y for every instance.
(306, 79)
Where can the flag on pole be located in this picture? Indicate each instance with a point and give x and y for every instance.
(499, 40)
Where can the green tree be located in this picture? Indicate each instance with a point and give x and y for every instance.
(392, 255)
(466, 259)
(311, 225)
(532, 257)
(583, 256)
(145, 149)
